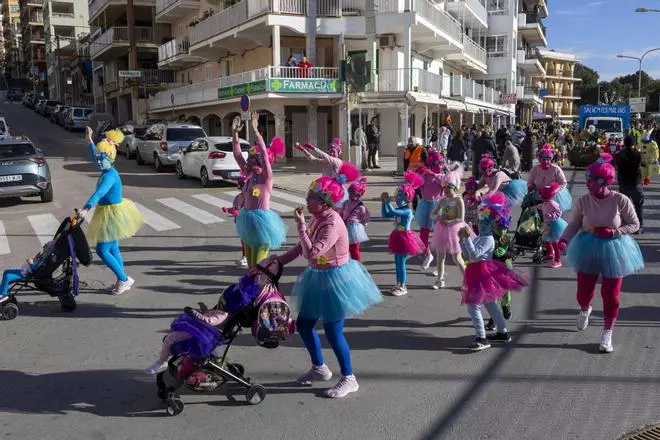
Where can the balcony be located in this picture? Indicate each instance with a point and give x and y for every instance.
(529, 62)
(529, 93)
(540, 6)
(532, 29)
(393, 81)
(113, 43)
(467, 89)
(273, 80)
(168, 11)
(151, 78)
(175, 54)
(472, 57)
(97, 6)
(474, 11)
(343, 8)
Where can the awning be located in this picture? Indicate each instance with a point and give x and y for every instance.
(455, 105)
(474, 108)
(423, 98)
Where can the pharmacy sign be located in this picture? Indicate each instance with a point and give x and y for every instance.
(304, 85)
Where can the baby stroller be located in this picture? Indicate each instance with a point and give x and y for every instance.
(249, 304)
(54, 270)
(529, 231)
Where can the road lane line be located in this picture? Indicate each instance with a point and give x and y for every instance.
(289, 197)
(156, 221)
(215, 201)
(274, 205)
(191, 211)
(4, 243)
(44, 225)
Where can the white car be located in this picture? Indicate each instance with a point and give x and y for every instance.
(210, 159)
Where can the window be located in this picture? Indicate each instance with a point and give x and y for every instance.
(184, 134)
(496, 46)
(227, 146)
(497, 7)
(208, 72)
(226, 67)
(16, 150)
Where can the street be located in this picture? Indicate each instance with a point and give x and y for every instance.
(79, 375)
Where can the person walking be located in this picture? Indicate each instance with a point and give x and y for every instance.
(360, 140)
(373, 143)
(629, 165)
(483, 145)
(511, 157)
(458, 148)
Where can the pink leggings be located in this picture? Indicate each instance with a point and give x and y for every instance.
(609, 291)
(424, 235)
(170, 340)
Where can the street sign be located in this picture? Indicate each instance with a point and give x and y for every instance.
(508, 98)
(130, 74)
(638, 105)
(245, 103)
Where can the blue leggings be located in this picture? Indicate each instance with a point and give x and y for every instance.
(109, 253)
(334, 333)
(478, 321)
(8, 277)
(400, 266)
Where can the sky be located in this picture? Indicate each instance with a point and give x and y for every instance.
(595, 31)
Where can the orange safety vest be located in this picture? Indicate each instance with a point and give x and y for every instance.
(415, 158)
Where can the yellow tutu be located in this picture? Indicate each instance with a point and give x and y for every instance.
(114, 222)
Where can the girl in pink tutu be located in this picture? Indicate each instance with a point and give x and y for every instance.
(450, 218)
(403, 242)
(471, 202)
(487, 280)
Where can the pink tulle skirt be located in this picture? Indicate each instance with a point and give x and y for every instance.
(487, 281)
(445, 237)
(405, 243)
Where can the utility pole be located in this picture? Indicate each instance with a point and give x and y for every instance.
(59, 70)
(130, 18)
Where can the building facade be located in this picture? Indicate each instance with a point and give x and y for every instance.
(560, 102)
(13, 43)
(34, 43)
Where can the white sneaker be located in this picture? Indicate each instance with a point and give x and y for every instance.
(242, 262)
(157, 367)
(583, 319)
(434, 273)
(606, 342)
(439, 284)
(315, 374)
(345, 386)
(399, 290)
(123, 286)
(427, 261)
(111, 288)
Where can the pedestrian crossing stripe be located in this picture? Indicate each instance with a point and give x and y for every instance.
(156, 221)
(289, 197)
(191, 211)
(212, 200)
(273, 205)
(4, 243)
(44, 225)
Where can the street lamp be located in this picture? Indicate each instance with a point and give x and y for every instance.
(640, 59)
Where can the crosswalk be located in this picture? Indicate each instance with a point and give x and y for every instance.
(161, 215)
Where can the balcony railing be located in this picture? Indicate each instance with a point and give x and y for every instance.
(272, 78)
(172, 48)
(477, 6)
(150, 77)
(469, 88)
(472, 49)
(393, 80)
(219, 23)
(436, 16)
(332, 8)
(527, 18)
(119, 34)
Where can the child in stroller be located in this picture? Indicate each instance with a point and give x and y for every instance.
(68, 247)
(529, 231)
(253, 302)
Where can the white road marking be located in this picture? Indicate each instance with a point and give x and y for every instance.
(215, 201)
(156, 221)
(274, 205)
(289, 197)
(44, 225)
(191, 211)
(4, 243)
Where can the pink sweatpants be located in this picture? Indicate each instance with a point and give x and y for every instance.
(170, 340)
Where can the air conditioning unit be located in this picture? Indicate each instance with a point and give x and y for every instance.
(387, 41)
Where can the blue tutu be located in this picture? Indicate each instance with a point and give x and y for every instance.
(423, 213)
(356, 233)
(335, 293)
(204, 338)
(515, 191)
(260, 228)
(611, 257)
(564, 199)
(340, 203)
(553, 230)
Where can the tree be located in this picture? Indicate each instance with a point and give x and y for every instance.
(587, 89)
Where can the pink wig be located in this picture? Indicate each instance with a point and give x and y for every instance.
(434, 158)
(328, 189)
(549, 191)
(336, 145)
(359, 187)
(348, 173)
(495, 209)
(546, 152)
(602, 170)
(471, 184)
(275, 149)
(486, 162)
(452, 178)
(407, 190)
(414, 179)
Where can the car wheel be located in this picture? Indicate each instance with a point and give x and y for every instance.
(179, 171)
(47, 194)
(138, 158)
(204, 177)
(157, 165)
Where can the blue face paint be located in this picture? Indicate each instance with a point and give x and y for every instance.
(485, 227)
(401, 200)
(103, 161)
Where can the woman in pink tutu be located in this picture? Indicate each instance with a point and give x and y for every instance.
(487, 280)
(403, 242)
(450, 218)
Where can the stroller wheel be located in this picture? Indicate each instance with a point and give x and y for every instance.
(174, 406)
(255, 394)
(162, 394)
(67, 303)
(9, 311)
(236, 369)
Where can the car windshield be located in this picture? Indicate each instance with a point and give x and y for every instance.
(606, 125)
(184, 134)
(227, 146)
(140, 131)
(81, 112)
(8, 151)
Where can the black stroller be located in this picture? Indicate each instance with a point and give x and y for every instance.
(243, 304)
(529, 230)
(55, 269)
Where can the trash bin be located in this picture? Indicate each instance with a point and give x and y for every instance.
(400, 153)
(355, 155)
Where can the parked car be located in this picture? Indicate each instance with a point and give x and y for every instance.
(49, 106)
(24, 171)
(39, 105)
(132, 133)
(28, 99)
(4, 128)
(53, 114)
(77, 118)
(210, 159)
(62, 114)
(15, 94)
(162, 143)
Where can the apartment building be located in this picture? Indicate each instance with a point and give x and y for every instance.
(64, 20)
(34, 43)
(81, 91)
(109, 50)
(13, 49)
(560, 101)
(411, 62)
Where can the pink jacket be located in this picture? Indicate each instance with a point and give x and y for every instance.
(213, 317)
(324, 244)
(354, 212)
(550, 210)
(432, 187)
(540, 177)
(494, 182)
(331, 165)
(615, 211)
(258, 188)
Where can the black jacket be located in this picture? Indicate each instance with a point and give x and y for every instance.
(629, 167)
(457, 150)
(484, 145)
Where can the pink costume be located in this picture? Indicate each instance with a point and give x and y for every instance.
(450, 221)
(550, 210)
(494, 182)
(331, 164)
(354, 211)
(257, 188)
(614, 211)
(212, 317)
(540, 178)
(431, 189)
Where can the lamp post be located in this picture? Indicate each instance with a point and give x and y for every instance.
(640, 59)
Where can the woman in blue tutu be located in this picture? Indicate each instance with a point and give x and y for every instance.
(260, 228)
(332, 288)
(599, 244)
(544, 174)
(496, 180)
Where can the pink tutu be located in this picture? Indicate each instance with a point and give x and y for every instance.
(405, 243)
(487, 281)
(445, 237)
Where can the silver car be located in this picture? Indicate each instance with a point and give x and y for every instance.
(162, 143)
(77, 118)
(132, 133)
(24, 171)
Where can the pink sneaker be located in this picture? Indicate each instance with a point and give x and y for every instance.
(554, 265)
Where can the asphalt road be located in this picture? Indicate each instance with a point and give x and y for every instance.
(78, 376)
